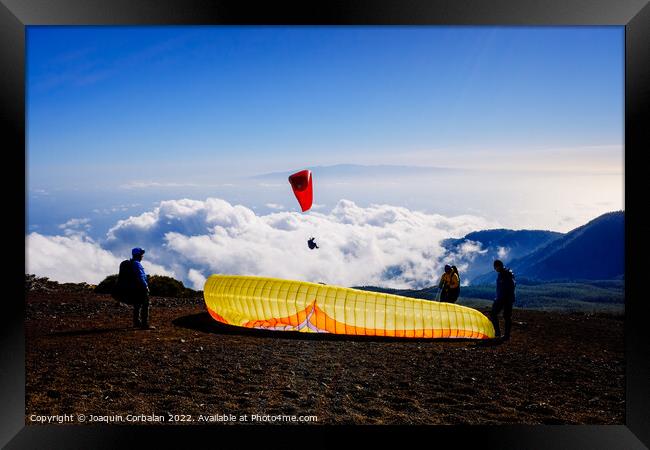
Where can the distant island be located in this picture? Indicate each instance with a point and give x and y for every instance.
(363, 171)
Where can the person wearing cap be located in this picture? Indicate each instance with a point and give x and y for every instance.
(448, 282)
(140, 291)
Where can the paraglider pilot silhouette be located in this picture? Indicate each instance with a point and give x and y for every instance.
(312, 243)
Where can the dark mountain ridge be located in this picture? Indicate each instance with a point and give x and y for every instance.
(594, 251)
(494, 244)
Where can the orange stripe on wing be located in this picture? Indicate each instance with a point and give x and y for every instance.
(292, 320)
(332, 325)
(216, 316)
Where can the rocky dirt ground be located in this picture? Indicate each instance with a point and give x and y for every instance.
(84, 357)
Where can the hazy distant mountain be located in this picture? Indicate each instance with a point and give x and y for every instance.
(494, 244)
(595, 251)
(358, 170)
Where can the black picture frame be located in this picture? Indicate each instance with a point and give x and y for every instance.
(15, 15)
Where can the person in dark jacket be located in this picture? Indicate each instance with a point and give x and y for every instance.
(504, 300)
(454, 288)
(139, 291)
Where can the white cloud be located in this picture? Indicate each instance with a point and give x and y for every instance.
(155, 184)
(274, 206)
(68, 258)
(39, 192)
(76, 223)
(76, 227)
(197, 279)
(380, 244)
(74, 259)
(470, 249)
(115, 209)
(190, 239)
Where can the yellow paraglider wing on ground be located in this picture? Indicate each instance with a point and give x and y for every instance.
(271, 303)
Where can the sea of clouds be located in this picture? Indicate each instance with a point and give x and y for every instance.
(378, 245)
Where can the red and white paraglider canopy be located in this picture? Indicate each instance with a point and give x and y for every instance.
(301, 183)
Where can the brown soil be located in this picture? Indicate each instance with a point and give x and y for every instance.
(84, 357)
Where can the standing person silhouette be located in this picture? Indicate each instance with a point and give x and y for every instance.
(504, 300)
(139, 291)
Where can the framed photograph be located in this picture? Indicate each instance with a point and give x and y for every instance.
(258, 222)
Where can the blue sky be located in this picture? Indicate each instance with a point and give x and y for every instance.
(296, 96)
(122, 118)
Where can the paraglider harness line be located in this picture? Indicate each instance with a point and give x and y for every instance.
(440, 289)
